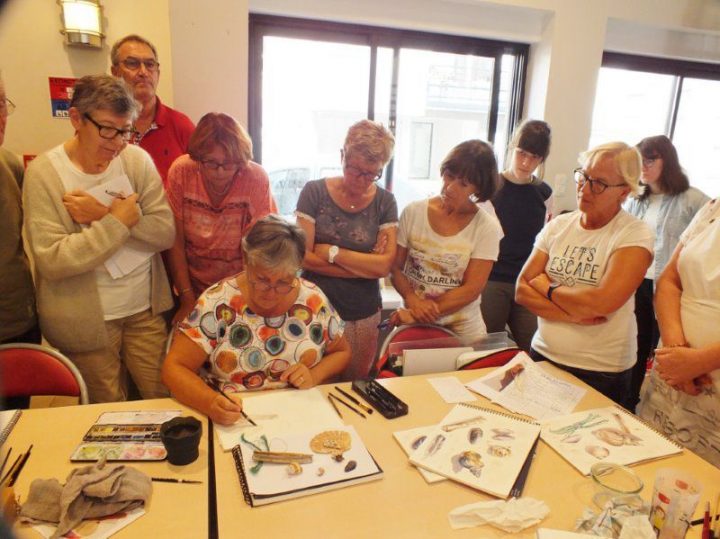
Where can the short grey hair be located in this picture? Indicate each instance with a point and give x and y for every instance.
(115, 55)
(371, 141)
(627, 160)
(95, 92)
(274, 243)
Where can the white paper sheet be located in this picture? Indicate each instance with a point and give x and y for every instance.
(451, 389)
(523, 387)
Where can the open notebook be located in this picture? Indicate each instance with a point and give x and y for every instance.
(611, 434)
(479, 447)
(270, 483)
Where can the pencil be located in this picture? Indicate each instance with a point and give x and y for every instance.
(354, 400)
(358, 412)
(715, 525)
(173, 480)
(11, 469)
(334, 406)
(16, 473)
(4, 462)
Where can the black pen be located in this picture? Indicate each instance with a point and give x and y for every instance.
(20, 467)
(4, 462)
(358, 412)
(115, 194)
(11, 469)
(219, 390)
(354, 400)
(173, 480)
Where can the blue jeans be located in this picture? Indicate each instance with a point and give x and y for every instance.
(614, 385)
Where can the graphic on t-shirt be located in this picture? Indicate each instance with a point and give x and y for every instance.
(434, 273)
(576, 264)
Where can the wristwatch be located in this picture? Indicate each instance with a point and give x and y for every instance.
(551, 289)
(332, 253)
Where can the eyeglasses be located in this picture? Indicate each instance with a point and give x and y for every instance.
(647, 162)
(214, 165)
(365, 174)
(279, 288)
(109, 132)
(7, 107)
(596, 186)
(133, 64)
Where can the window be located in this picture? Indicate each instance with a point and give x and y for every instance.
(309, 81)
(639, 97)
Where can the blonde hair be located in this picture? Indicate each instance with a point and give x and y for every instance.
(218, 129)
(627, 160)
(369, 140)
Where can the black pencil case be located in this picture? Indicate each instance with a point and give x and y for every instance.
(380, 398)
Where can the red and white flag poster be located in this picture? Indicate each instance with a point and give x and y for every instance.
(61, 90)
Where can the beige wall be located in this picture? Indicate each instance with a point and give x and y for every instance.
(204, 53)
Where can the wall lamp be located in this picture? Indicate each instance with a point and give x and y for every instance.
(82, 22)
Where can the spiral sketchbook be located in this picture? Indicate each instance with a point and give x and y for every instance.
(609, 434)
(265, 483)
(8, 418)
(482, 448)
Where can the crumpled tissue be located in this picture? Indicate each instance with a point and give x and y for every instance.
(637, 527)
(511, 516)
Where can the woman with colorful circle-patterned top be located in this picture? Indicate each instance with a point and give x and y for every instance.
(263, 328)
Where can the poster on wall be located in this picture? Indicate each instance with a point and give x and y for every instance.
(61, 90)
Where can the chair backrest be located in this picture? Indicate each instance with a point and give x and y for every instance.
(493, 359)
(412, 336)
(27, 370)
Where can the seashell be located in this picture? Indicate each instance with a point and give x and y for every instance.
(598, 451)
(498, 451)
(417, 442)
(320, 472)
(350, 466)
(470, 460)
(294, 469)
(435, 445)
(475, 434)
(503, 434)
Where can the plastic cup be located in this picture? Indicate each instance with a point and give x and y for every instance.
(675, 497)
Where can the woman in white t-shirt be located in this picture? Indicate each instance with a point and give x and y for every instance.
(667, 205)
(447, 245)
(583, 272)
(681, 396)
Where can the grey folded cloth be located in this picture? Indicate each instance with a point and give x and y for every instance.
(90, 492)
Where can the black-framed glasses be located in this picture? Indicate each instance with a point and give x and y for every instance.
(133, 64)
(214, 165)
(279, 288)
(109, 133)
(596, 186)
(7, 107)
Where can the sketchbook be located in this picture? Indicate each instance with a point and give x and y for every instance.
(8, 419)
(611, 434)
(120, 436)
(482, 448)
(524, 387)
(280, 412)
(265, 483)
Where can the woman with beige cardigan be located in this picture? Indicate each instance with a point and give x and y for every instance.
(96, 219)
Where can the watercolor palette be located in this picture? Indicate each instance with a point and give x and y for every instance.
(93, 451)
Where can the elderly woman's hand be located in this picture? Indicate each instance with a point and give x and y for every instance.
(84, 208)
(126, 210)
(402, 317)
(679, 364)
(423, 310)
(223, 411)
(298, 375)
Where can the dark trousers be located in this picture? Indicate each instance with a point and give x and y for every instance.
(614, 385)
(31, 336)
(647, 338)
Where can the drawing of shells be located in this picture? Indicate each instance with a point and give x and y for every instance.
(573, 439)
(597, 451)
(498, 450)
(610, 436)
(503, 434)
(350, 466)
(417, 442)
(470, 460)
(435, 445)
(475, 434)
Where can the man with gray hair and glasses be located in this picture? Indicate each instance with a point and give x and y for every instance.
(18, 320)
(162, 131)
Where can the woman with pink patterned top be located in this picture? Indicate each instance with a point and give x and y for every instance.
(216, 193)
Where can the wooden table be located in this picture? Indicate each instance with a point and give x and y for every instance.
(175, 510)
(402, 504)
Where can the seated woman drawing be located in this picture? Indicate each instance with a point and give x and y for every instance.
(260, 329)
(447, 245)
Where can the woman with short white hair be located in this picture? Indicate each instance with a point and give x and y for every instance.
(583, 272)
(351, 228)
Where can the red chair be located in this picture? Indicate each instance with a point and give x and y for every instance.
(411, 337)
(28, 370)
(494, 359)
